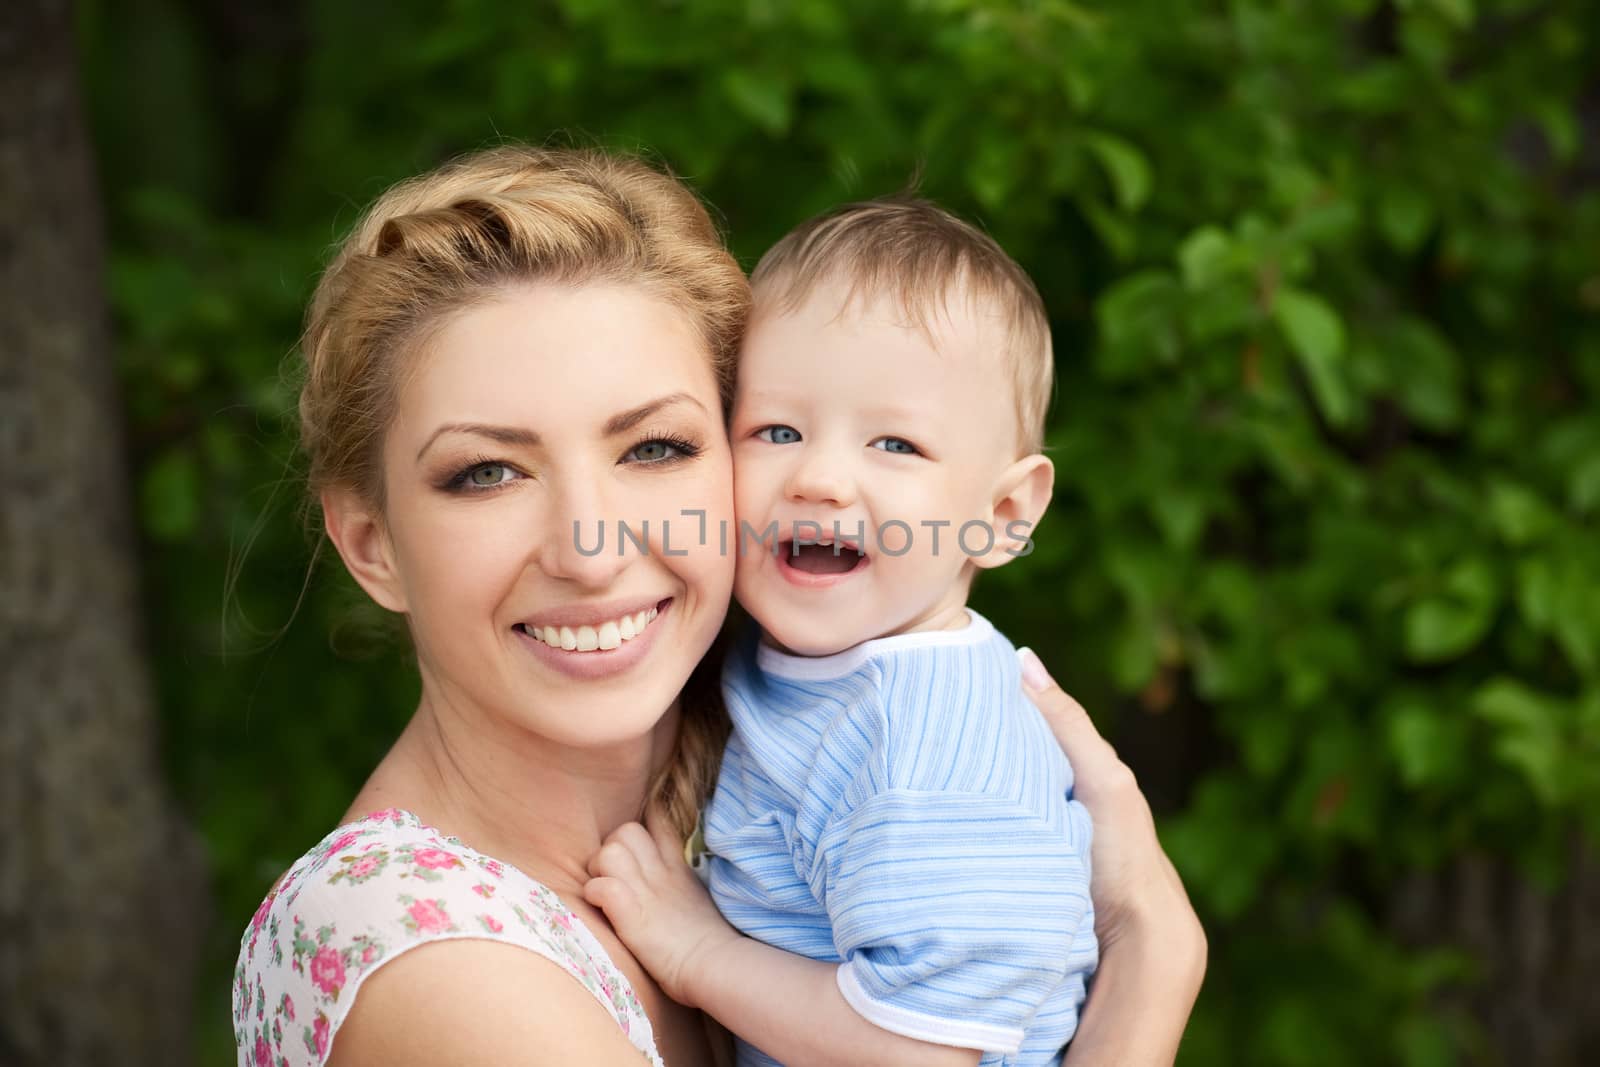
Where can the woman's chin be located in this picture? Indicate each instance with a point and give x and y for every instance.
(624, 718)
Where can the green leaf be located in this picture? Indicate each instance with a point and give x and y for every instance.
(1134, 653)
(1138, 322)
(1518, 513)
(839, 72)
(1427, 741)
(1292, 182)
(170, 496)
(1125, 165)
(1181, 514)
(1080, 85)
(1426, 374)
(1225, 310)
(1529, 733)
(1405, 216)
(1265, 749)
(1555, 596)
(1583, 485)
(1539, 592)
(993, 171)
(1459, 12)
(1205, 257)
(1311, 324)
(1558, 121)
(1222, 843)
(760, 96)
(1426, 1041)
(1132, 305)
(1442, 627)
(1316, 334)
(1119, 236)
(1325, 222)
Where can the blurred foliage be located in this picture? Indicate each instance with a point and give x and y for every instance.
(1325, 294)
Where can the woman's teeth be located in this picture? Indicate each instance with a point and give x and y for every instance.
(606, 635)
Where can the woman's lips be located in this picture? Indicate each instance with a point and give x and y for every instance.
(598, 662)
(598, 634)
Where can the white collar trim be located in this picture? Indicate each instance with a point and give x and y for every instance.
(840, 664)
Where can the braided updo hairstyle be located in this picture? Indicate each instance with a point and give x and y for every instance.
(436, 245)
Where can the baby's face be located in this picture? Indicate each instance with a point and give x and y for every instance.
(862, 421)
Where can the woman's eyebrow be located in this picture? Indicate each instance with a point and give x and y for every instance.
(629, 419)
(517, 436)
(506, 435)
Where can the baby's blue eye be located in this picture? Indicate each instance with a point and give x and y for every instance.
(779, 435)
(898, 445)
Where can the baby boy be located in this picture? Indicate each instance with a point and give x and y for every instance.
(889, 807)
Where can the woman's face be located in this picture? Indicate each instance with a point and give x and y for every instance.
(534, 424)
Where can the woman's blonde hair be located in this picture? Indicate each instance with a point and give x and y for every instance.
(441, 243)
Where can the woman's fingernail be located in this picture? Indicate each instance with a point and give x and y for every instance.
(1034, 676)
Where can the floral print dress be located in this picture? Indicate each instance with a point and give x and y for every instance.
(368, 892)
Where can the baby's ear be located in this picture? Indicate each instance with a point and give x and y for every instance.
(1022, 492)
(364, 545)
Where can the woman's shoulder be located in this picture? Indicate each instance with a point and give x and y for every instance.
(371, 890)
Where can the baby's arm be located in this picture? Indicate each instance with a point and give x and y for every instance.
(788, 1006)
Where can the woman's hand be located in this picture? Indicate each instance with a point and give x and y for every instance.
(1152, 948)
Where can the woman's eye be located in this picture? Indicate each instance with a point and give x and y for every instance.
(779, 435)
(489, 475)
(663, 450)
(653, 452)
(897, 445)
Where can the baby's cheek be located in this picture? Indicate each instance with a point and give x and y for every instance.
(747, 559)
(757, 472)
(756, 591)
(750, 493)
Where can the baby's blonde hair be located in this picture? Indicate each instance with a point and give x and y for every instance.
(441, 243)
(922, 256)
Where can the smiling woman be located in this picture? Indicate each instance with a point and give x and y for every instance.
(569, 447)
(518, 346)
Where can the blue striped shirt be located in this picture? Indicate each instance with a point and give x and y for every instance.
(901, 809)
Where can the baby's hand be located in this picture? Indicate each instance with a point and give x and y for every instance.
(657, 905)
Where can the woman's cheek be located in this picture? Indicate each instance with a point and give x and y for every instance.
(706, 534)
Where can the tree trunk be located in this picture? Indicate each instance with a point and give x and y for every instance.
(101, 888)
(1539, 999)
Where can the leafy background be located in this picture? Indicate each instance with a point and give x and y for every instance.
(1324, 286)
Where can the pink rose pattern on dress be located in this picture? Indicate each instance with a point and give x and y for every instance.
(327, 971)
(319, 1037)
(426, 879)
(435, 859)
(360, 868)
(426, 916)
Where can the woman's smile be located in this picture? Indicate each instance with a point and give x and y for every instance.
(608, 643)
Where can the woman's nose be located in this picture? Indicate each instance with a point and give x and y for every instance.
(586, 543)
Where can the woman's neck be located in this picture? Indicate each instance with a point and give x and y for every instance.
(541, 807)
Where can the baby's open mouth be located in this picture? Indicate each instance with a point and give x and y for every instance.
(821, 559)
